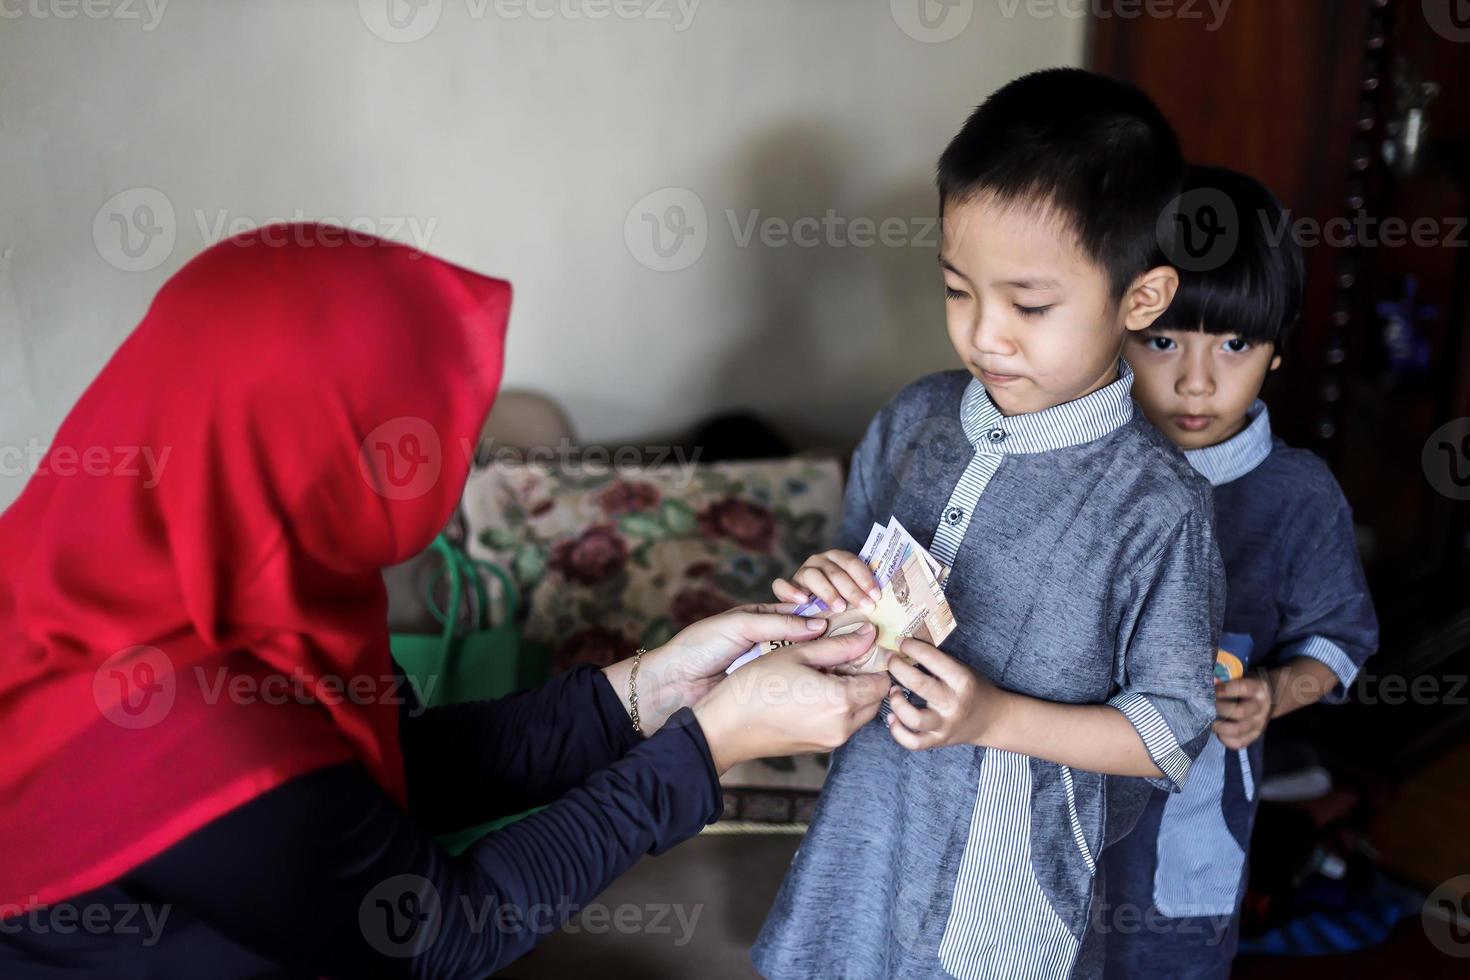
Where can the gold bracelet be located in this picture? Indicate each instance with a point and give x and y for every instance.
(633, 690)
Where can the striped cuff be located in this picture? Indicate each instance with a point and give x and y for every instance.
(1157, 737)
(1321, 649)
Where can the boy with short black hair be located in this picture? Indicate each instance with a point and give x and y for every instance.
(1298, 619)
(1084, 574)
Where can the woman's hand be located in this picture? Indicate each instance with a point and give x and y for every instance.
(788, 702)
(685, 669)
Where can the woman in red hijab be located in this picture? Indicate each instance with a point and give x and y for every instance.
(211, 767)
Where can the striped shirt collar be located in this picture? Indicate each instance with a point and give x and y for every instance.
(1068, 424)
(1238, 455)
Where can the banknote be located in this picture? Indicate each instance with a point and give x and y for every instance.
(912, 602)
(912, 605)
(939, 572)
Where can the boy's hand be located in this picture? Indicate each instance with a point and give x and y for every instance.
(1243, 707)
(839, 578)
(963, 706)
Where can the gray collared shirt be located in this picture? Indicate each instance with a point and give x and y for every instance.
(1084, 570)
(1296, 589)
(1238, 455)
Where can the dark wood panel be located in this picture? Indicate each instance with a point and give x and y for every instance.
(1299, 93)
(1276, 92)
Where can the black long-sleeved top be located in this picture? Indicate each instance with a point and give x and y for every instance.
(325, 876)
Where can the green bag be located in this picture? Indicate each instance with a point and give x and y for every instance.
(473, 662)
(481, 662)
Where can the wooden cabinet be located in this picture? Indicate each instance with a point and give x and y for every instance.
(1357, 113)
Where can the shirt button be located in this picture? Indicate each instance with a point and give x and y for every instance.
(996, 435)
(953, 516)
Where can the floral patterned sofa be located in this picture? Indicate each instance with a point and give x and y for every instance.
(611, 559)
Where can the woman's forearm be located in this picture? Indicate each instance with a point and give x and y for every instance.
(658, 695)
(473, 762)
(545, 867)
(326, 876)
(1093, 737)
(619, 677)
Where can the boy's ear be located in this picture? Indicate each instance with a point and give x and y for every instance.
(1275, 363)
(1149, 296)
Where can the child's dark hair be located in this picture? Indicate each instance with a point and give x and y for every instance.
(1096, 150)
(1256, 290)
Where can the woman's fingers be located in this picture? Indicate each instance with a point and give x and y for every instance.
(866, 710)
(866, 691)
(788, 702)
(863, 697)
(761, 626)
(832, 651)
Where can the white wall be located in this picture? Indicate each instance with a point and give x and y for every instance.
(521, 145)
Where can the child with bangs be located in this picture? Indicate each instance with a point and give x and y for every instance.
(1299, 622)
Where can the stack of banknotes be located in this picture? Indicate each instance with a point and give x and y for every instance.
(912, 603)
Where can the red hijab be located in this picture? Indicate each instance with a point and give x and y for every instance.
(191, 605)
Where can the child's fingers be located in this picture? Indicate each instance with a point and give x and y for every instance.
(1238, 709)
(858, 571)
(914, 718)
(927, 687)
(936, 661)
(913, 741)
(1249, 688)
(1237, 740)
(1237, 732)
(1229, 709)
(787, 592)
(815, 581)
(1231, 742)
(768, 607)
(853, 593)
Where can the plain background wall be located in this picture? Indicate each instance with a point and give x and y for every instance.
(530, 139)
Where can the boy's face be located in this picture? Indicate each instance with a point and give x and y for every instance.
(1029, 313)
(1196, 387)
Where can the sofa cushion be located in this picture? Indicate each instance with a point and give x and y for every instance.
(613, 558)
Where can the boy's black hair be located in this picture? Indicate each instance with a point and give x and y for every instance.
(1255, 290)
(1096, 150)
